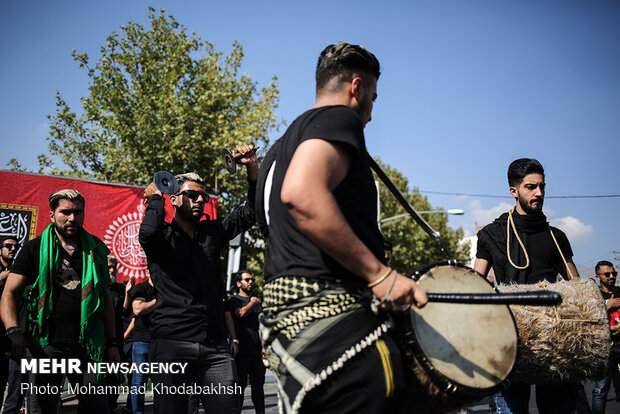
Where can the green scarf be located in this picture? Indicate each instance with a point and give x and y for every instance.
(95, 278)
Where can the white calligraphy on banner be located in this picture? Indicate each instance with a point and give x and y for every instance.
(16, 223)
(122, 240)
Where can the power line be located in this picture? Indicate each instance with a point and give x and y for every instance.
(501, 196)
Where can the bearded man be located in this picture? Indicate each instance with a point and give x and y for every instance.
(522, 247)
(69, 307)
(190, 321)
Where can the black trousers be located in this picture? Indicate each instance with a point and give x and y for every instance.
(209, 365)
(252, 366)
(370, 383)
(14, 398)
(49, 403)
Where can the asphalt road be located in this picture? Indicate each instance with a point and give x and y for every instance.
(271, 402)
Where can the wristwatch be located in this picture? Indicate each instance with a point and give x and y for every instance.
(235, 341)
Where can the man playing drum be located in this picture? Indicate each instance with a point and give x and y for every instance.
(523, 248)
(324, 256)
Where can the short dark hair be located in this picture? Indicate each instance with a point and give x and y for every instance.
(518, 169)
(5, 238)
(239, 273)
(602, 263)
(343, 61)
(66, 194)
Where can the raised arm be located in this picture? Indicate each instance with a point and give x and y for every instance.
(127, 299)
(151, 233)
(245, 311)
(244, 217)
(141, 306)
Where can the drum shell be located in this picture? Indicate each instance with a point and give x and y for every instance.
(569, 342)
(446, 335)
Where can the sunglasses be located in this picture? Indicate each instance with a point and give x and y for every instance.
(607, 274)
(193, 195)
(248, 280)
(11, 245)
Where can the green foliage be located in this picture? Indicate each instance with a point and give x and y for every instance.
(412, 247)
(14, 165)
(162, 99)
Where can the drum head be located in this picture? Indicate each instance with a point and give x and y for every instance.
(474, 346)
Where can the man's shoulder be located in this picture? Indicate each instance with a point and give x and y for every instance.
(562, 240)
(237, 300)
(330, 110)
(31, 247)
(338, 118)
(141, 289)
(33, 243)
(97, 239)
(340, 115)
(493, 227)
(557, 231)
(209, 225)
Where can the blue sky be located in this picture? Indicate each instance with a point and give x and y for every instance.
(466, 87)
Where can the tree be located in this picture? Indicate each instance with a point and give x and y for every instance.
(162, 99)
(412, 247)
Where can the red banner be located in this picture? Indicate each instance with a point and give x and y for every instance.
(113, 212)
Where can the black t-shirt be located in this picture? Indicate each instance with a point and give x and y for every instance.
(247, 327)
(289, 250)
(64, 325)
(142, 326)
(542, 251)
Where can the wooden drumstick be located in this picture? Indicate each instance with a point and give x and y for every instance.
(535, 298)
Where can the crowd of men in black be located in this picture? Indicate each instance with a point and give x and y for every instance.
(133, 303)
(63, 300)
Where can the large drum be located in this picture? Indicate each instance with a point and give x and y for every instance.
(457, 353)
(569, 342)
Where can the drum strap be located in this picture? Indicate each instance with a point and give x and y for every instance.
(570, 274)
(511, 224)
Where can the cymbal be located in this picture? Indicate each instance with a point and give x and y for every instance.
(166, 182)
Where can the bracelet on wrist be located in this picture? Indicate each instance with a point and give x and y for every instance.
(235, 341)
(381, 279)
(12, 330)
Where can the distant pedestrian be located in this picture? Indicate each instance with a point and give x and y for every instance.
(245, 308)
(142, 302)
(606, 274)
